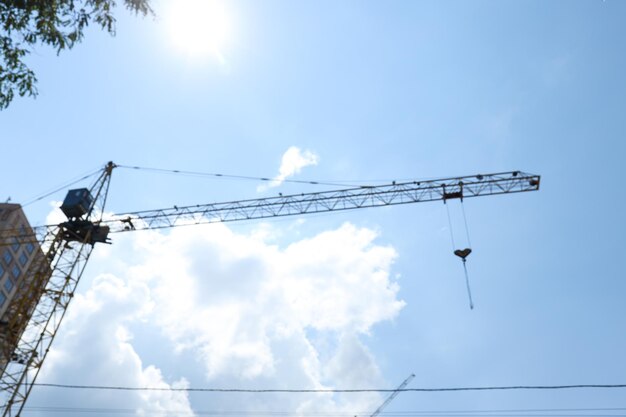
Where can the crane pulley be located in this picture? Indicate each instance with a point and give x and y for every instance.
(34, 314)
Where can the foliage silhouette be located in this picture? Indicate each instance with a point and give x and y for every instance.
(58, 23)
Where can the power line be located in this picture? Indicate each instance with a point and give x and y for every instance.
(332, 390)
(515, 410)
(549, 412)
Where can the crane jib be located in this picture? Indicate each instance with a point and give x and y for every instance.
(319, 202)
(31, 321)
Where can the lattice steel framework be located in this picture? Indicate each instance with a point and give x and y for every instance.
(34, 314)
(33, 318)
(321, 202)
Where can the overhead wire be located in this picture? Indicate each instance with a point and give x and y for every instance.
(572, 412)
(514, 410)
(330, 390)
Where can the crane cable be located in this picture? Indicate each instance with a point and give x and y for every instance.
(62, 187)
(231, 176)
(469, 242)
(462, 253)
(92, 173)
(342, 183)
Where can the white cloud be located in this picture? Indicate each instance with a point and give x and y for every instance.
(95, 348)
(293, 160)
(55, 216)
(230, 309)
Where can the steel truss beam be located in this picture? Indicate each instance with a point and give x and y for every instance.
(34, 314)
(321, 202)
(32, 319)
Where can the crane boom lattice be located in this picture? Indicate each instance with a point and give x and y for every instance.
(33, 316)
(322, 202)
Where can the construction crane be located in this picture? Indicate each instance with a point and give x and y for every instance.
(33, 316)
(393, 395)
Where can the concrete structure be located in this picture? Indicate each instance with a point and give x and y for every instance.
(20, 254)
(15, 257)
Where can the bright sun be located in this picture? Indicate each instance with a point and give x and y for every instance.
(199, 27)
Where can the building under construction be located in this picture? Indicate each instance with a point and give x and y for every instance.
(18, 257)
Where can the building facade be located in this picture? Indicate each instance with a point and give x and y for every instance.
(16, 256)
(20, 256)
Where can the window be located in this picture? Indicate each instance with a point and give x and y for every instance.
(7, 256)
(23, 259)
(16, 244)
(30, 247)
(3, 298)
(8, 285)
(1, 271)
(23, 230)
(16, 272)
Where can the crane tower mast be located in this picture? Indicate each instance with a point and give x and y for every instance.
(34, 315)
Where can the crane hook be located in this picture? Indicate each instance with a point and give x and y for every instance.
(463, 254)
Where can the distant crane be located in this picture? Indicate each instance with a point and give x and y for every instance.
(393, 395)
(34, 314)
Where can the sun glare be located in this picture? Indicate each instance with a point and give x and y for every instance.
(199, 28)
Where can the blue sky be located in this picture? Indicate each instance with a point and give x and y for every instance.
(377, 90)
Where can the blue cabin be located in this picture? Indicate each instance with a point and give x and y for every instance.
(77, 203)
